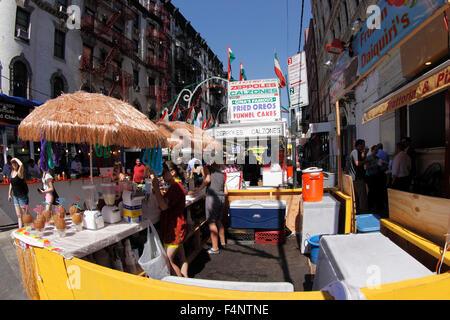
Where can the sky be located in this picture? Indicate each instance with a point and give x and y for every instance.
(253, 29)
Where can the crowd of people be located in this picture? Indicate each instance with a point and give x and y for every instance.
(373, 172)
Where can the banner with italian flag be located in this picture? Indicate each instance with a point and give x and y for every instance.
(231, 57)
(279, 73)
(191, 115)
(206, 124)
(198, 122)
(175, 114)
(164, 115)
(215, 123)
(242, 75)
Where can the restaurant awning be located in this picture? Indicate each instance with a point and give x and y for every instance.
(18, 101)
(14, 109)
(430, 83)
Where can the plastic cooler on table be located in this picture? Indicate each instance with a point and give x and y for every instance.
(366, 223)
(364, 260)
(312, 184)
(318, 218)
(257, 214)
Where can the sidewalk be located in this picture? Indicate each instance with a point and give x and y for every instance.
(11, 287)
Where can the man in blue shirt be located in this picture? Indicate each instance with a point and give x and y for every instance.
(383, 162)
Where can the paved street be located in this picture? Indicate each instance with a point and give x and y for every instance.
(10, 279)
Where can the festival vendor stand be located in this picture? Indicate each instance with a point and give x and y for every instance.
(55, 269)
(97, 120)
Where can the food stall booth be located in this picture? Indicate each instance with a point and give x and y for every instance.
(77, 266)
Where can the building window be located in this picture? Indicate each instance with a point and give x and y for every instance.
(346, 13)
(136, 21)
(136, 78)
(20, 80)
(22, 24)
(57, 87)
(60, 43)
(136, 45)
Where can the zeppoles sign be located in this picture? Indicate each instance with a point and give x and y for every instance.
(254, 100)
(436, 82)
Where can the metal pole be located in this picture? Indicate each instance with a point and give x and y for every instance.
(338, 132)
(90, 162)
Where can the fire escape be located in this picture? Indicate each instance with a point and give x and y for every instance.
(106, 69)
(159, 62)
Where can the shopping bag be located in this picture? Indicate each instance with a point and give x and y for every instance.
(154, 260)
(150, 208)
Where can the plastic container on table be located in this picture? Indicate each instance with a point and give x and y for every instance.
(312, 184)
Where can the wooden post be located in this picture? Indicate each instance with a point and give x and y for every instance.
(338, 133)
(90, 163)
(446, 186)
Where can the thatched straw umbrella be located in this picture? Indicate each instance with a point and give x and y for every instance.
(91, 118)
(182, 134)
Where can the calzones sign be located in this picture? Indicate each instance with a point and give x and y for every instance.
(254, 100)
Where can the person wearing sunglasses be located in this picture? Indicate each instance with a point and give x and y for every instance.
(173, 227)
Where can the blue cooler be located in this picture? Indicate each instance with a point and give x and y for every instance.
(367, 223)
(257, 214)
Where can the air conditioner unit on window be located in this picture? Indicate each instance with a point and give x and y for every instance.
(22, 34)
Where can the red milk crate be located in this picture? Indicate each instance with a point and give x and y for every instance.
(270, 237)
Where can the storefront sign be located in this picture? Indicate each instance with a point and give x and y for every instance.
(274, 130)
(11, 114)
(254, 100)
(298, 81)
(371, 45)
(438, 81)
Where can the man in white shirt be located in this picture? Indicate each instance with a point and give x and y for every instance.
(401, 166)
(76, 166)
(33, 171)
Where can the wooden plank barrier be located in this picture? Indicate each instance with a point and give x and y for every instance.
(427, 216)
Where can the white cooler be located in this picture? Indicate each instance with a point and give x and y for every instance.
(364, 260)
(320, 217)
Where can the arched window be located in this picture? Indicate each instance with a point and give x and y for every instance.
(57, 87)
(20, 80)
